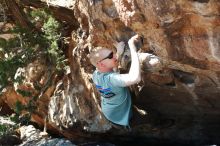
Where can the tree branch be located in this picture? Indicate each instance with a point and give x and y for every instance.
(60, 13)
(17, 14)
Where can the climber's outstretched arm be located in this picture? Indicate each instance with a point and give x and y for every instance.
(134, 74)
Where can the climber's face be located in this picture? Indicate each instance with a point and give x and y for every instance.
(107, 59)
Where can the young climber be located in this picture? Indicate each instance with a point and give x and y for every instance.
(113, 87)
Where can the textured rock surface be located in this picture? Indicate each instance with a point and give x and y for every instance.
(32, 136)
(181, 100)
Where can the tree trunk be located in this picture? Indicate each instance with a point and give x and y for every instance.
(17, 14)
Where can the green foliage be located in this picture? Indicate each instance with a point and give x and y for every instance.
(18, 107)
(7, 126)
(50, 28)
(14, 53)
(40, 15)
(9, 61)
(24, 47)
(29, 108)
(15, 118)
(24, 93)
(3, 129)
(6, 129)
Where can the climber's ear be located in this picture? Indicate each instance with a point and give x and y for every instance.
(100, 64)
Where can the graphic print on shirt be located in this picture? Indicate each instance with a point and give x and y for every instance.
(106, 93)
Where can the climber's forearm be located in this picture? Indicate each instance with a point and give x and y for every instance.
(134, 72)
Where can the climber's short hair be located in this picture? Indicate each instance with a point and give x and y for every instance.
(95, 56)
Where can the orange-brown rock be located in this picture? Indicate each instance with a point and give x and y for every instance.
(182, 99)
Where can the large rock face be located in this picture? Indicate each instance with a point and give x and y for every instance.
(181, 100)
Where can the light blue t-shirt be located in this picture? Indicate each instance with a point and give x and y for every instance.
(115, 97)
